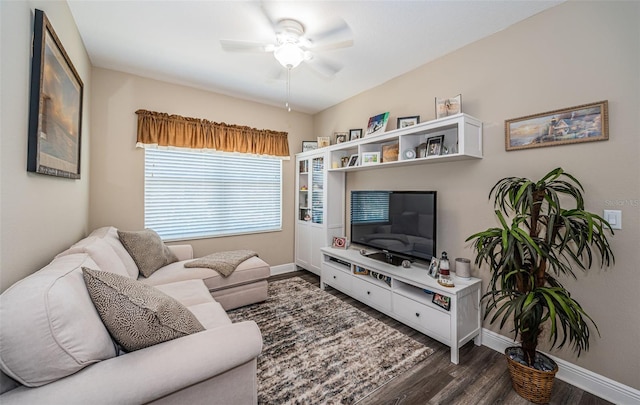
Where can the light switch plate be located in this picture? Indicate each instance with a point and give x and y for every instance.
(614, 218)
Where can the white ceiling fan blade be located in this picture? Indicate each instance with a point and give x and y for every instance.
(336, 45)
(231, 45)
(337, 32)
(324, 68)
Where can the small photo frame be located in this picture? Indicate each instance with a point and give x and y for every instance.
(370, 158)
(341, 137)
(360, 271)
(324, 141)
(434, 145)
(309, 145)
(404, 122)
(377, 124)
(355, 134)
(442, 301)
(339, 242)
(353, 161)
(448, 106)
(433, 267)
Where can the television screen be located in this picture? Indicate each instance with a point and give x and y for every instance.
(399, 222)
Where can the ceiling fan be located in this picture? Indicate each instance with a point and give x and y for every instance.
(293, 45)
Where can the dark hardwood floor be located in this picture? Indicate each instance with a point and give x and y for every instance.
(480, 378)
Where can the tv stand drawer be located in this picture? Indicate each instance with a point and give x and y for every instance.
(371, 294)
(423, 317)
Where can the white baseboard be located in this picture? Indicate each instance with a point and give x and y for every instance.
(577, 376)
(283, 268)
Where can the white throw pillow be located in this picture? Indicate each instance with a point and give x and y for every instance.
(49, 328)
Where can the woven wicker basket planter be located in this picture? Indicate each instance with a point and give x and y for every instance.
(531, 384)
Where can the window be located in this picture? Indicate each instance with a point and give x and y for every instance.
(190, 194)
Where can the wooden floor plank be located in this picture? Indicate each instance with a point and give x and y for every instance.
(480, 378)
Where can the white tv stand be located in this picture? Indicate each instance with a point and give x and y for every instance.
(404, 297)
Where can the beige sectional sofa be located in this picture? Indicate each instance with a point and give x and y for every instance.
(55, 349)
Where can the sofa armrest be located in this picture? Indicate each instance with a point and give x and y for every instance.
(148, 374)
(182, 252)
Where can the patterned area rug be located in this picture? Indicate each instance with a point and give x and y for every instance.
(319, 350)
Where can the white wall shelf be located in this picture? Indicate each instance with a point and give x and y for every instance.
(462, 136)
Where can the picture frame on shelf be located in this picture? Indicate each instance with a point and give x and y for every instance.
(341, 137)
(434, 145)
(353, 160)
(421, 150)
(433, 267)
(390, 152)
(582, 123)
(324, 141)
(370, 158)
(309, 145)
(355, 134)
(448, 106)
(377, 124)
(442, 301)
(404, 122)
(361, 271)
(340, 242)
(55, 106)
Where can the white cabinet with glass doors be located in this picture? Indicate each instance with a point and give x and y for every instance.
(318, 220)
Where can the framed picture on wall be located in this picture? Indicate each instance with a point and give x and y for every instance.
(582, 123)
(55, 106)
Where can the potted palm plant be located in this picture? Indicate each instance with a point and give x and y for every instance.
(526, 257)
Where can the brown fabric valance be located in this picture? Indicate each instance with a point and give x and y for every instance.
(162, 129)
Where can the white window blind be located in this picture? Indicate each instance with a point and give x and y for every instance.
(191, 195)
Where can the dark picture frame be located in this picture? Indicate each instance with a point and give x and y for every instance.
(55, 106)
(582, 123)
(442, 301)
(355, 134)
(353, 160)
(434, 145)
(404, 122)
(309, 145)
(341, 137)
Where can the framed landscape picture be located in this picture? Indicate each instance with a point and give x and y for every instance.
(582, 123)
(55, 106)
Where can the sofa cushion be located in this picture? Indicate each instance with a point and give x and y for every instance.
(147, 250)
(110, 235)
(137, 315)
(101, 252)
(251, 270)
(49, 328)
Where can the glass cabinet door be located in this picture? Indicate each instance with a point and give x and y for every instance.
(304, 210)
(317, 190)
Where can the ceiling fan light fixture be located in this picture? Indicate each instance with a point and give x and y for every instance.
(289, 55)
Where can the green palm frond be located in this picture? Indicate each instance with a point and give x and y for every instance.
(537, 241)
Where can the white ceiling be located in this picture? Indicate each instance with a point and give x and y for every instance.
(179, 41)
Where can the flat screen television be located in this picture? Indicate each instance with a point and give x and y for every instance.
(398, 223)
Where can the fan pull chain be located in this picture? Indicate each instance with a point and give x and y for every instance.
(286, 104)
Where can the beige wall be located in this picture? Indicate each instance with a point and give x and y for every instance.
(117, 182)
(41, 215)
(576, 53)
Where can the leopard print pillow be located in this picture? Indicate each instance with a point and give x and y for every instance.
(137, 315)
